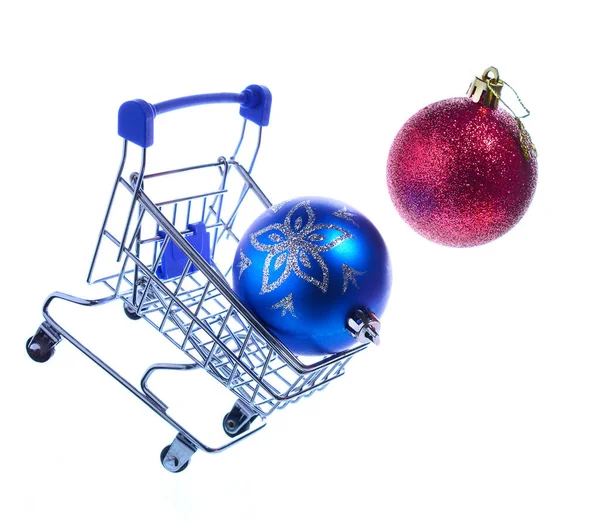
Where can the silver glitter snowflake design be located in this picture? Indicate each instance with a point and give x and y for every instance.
(286, 304)
(345, 214)
(244, 263)
(295, 245)
(349, 275)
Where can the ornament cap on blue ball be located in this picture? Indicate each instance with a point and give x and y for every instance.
(306, 266)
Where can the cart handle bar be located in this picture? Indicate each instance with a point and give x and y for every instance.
(136, 117)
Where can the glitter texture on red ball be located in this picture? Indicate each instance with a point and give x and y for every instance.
(458, 174)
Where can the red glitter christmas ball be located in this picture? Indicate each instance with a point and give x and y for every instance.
(459, 174)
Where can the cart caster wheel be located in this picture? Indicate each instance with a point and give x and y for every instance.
(130, 312)
(40, 347)
(233, 426)
(172, 462)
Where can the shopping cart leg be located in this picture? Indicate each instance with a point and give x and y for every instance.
(130, 312)
(238, 420)
(40, 347)
(176, 457)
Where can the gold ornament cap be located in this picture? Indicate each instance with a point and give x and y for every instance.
(486, 90)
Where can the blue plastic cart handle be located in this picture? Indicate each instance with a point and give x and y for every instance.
(136, 117)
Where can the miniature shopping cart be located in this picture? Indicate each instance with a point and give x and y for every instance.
(165, 250)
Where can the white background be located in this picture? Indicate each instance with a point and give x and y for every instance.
(482, 403)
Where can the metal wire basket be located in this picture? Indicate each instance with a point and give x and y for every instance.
(165, 250)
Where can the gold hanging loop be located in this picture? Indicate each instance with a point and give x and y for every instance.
(487, 91)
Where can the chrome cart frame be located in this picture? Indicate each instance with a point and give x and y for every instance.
(168, 259)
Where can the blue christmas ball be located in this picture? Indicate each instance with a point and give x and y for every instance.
(305, 266)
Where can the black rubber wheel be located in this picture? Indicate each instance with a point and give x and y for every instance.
(40, 348)
(163, 455)
(130, 313)
(230, 426)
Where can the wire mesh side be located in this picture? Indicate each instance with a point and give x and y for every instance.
(189, 309)
(193, 315)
